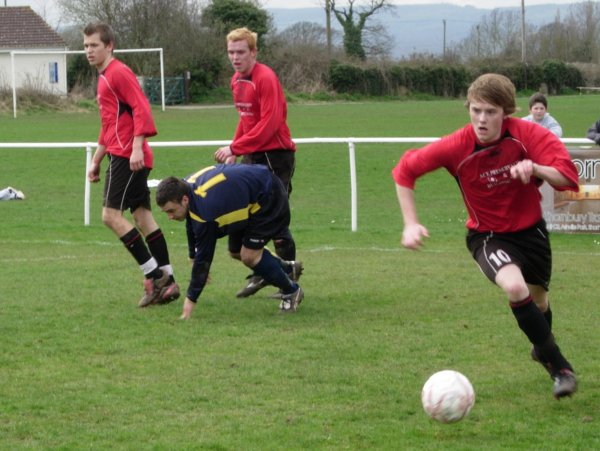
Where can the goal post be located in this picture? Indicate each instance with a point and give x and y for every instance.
(13, 71)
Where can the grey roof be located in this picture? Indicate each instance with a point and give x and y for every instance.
(21, 27)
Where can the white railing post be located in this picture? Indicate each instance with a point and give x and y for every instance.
(162, 79)
(353, 191)
(13, 77)
(86, 198)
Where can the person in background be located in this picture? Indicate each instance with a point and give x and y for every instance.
(126, 122)
(593, 132)
(538, 113)
(498, 162)
(262, 135)
(245, 200)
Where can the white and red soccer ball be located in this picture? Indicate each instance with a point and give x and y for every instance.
(448, 396)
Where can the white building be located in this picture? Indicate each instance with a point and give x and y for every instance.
(22, 30)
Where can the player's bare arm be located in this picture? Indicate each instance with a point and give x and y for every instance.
(94, 169)
(136, 162)
(526, 169)
(414, 232)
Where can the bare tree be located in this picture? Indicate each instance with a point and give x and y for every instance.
(84, 11)
(299, 59)
(353, 20)
(144, 24)
(583, 28)
(574, 39)
(497, 35)
(549, 41)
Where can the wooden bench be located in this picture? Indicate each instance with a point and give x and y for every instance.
(587, 88)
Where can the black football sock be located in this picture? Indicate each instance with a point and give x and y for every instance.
(133, 242)
(158, 247)
(157, 244)
(548, 316)
(533, 323)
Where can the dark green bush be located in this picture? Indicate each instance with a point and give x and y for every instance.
(448, 80)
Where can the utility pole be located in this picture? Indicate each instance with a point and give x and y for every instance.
(327, 25)
(444, 52)
(523, 56)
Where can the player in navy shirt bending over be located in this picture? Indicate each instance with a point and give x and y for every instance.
(499, 163)
(244, 200)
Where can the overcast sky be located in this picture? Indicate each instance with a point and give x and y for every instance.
(47, 10)
(478, 3)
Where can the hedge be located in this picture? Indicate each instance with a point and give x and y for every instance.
(448, 80)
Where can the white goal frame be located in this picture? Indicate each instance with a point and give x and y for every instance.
(70, 52)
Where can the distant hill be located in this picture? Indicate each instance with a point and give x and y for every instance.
(419, 28)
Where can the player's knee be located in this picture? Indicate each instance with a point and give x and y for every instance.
(247, 261)
(108, 219)
(250, 257)
(515, 290)
(235, 255)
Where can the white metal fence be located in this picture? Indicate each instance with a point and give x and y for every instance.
(351, 142)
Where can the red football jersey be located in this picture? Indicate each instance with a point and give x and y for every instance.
(124, 112)
(494, 201)
(260, 101)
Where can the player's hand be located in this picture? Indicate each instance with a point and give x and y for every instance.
(188, 308)
(412, 236)
(223, 153)
(523, 171)
(231, 160)
(136, 161)
(94, 173)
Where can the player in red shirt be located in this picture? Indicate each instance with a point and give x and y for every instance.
(262, 135)
(499, 162)
(126, 122)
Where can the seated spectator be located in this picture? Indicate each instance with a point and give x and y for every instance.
(538, 113)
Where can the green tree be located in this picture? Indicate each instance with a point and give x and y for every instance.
(353, 22)
(222, 16)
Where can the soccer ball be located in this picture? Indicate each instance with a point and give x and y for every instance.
(447, 396)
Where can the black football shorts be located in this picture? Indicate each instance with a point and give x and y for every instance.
(123, 188)
(280, 162)
(529, 249)
(271, 222)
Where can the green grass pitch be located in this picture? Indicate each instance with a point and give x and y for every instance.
(81, 367)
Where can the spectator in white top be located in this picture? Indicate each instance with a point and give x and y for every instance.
(538, 113)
